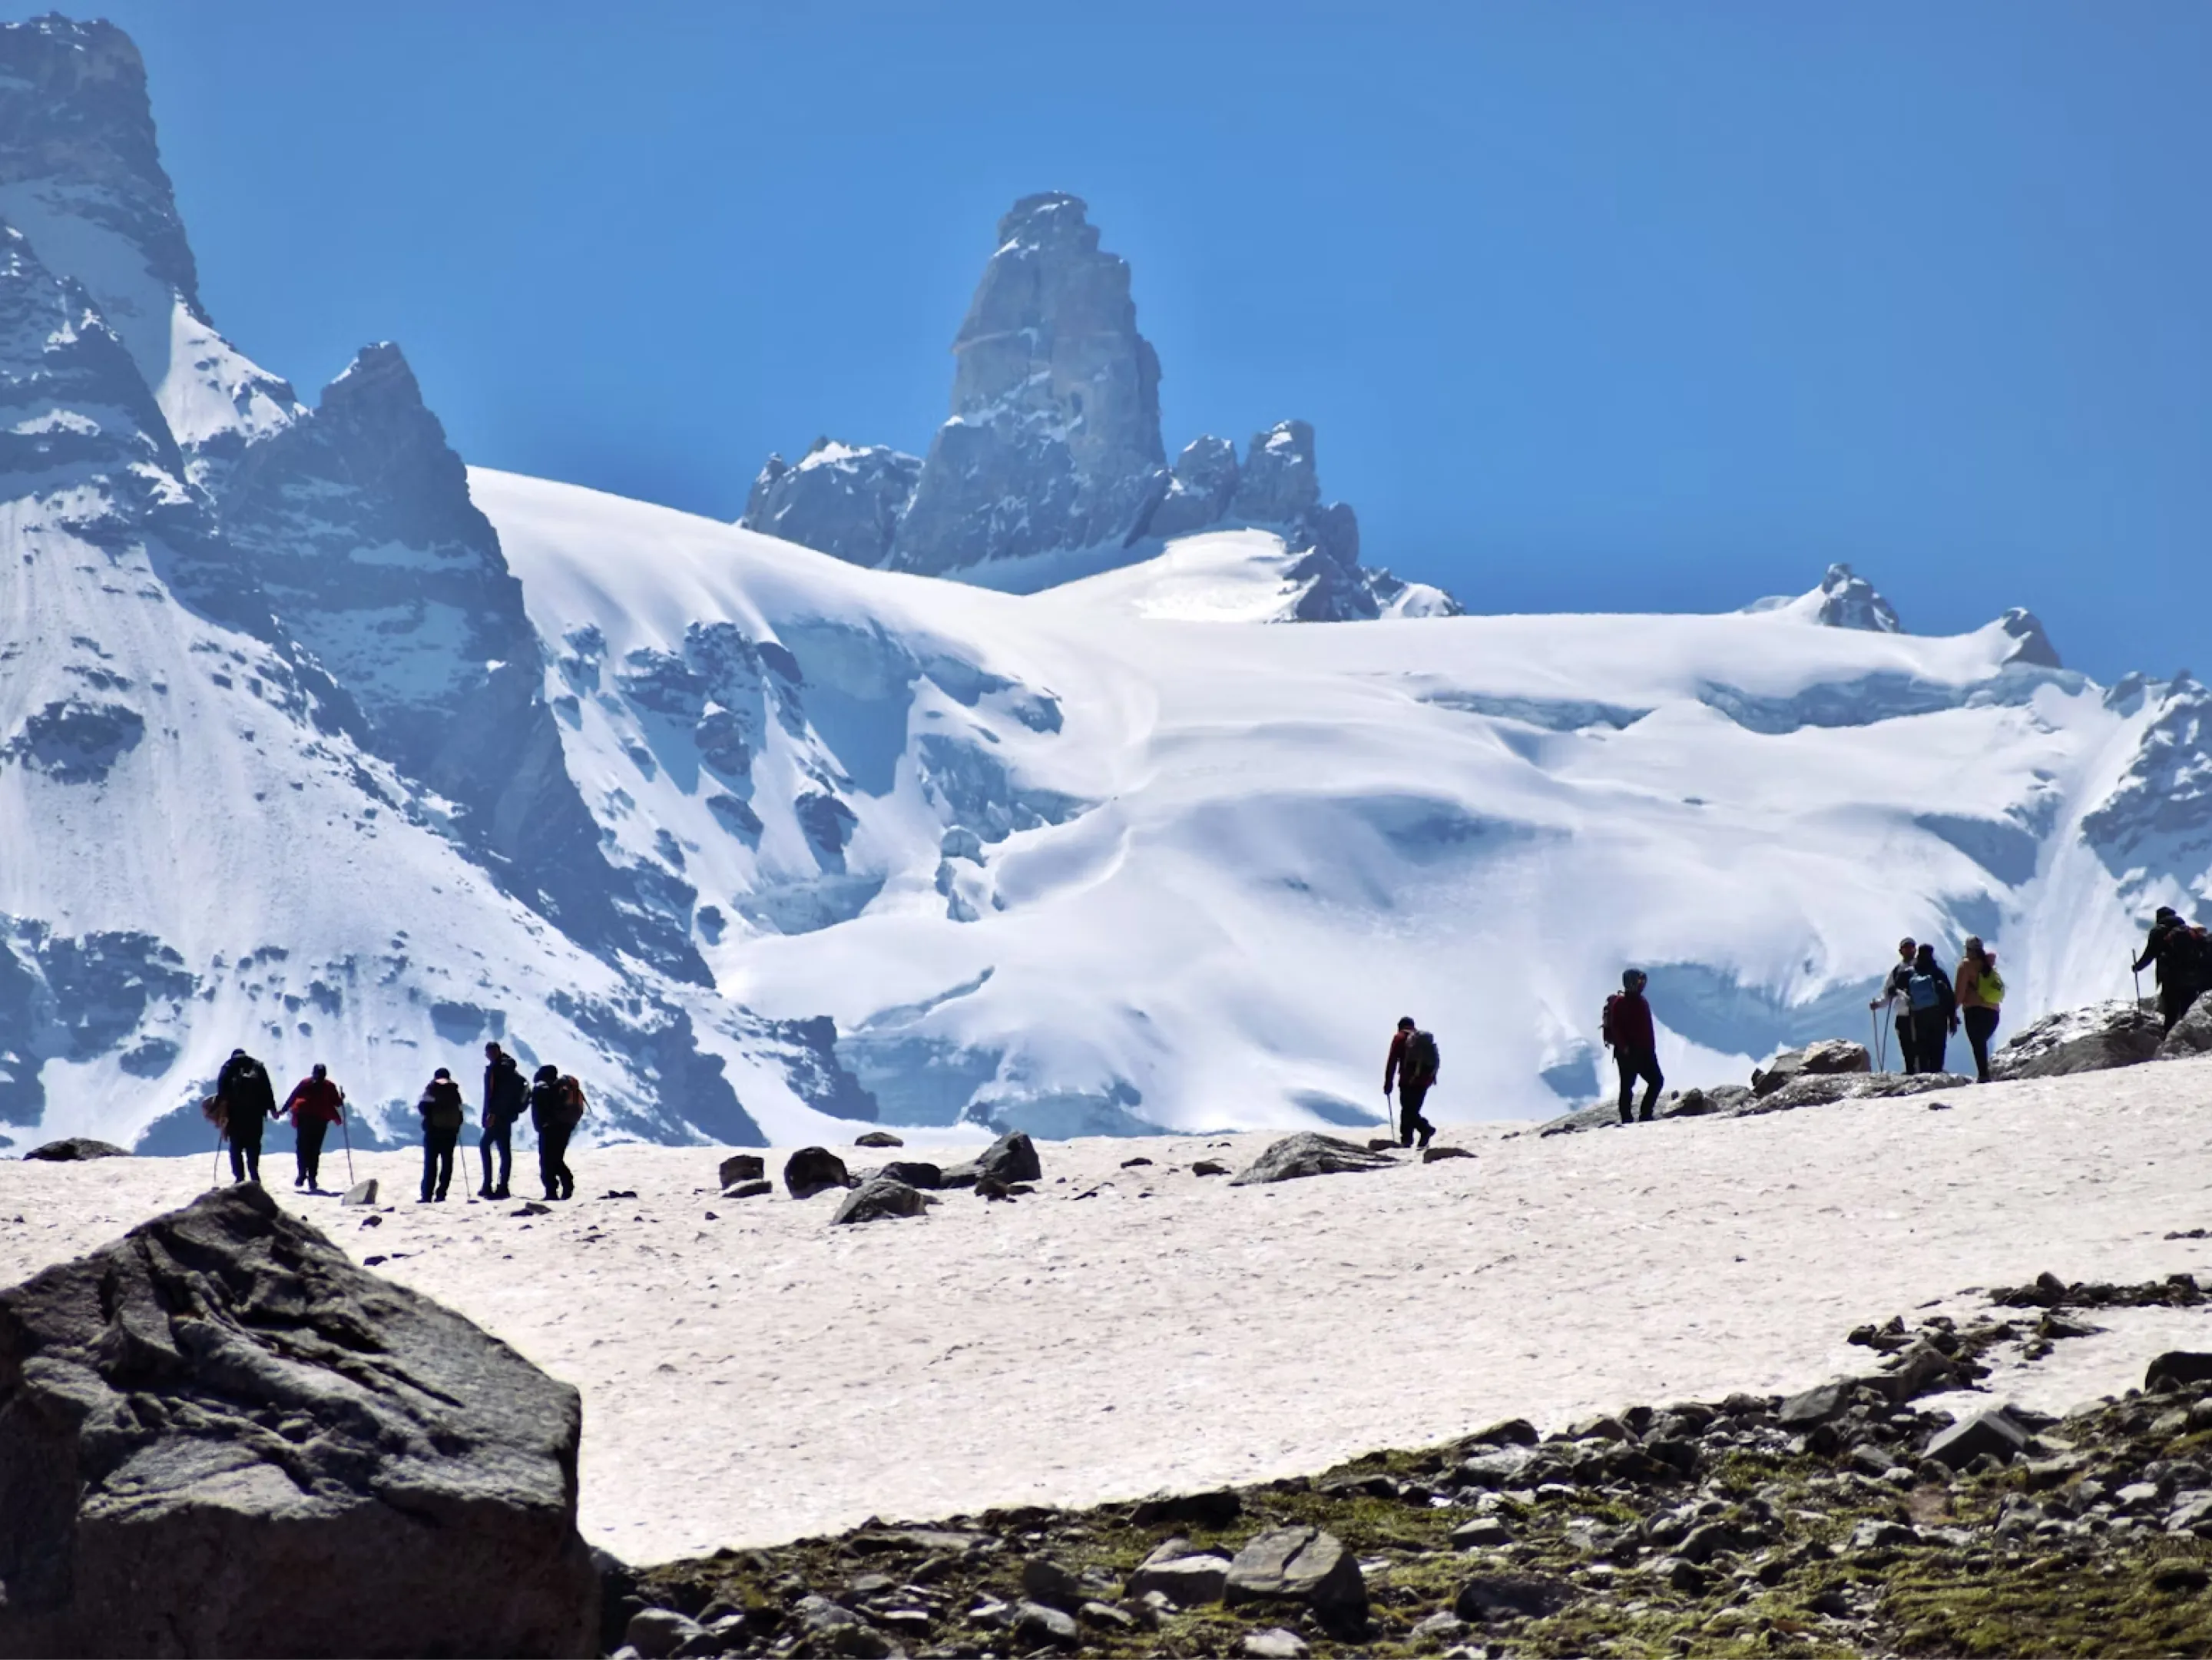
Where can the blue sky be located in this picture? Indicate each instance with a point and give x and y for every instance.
(1597, 306)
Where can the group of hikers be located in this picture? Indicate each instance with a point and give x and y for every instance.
(245, 1101)
(1929, 1003)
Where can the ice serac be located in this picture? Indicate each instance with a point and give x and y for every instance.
(2157, 819)
(356, 521)
(81, 176)
(837, 498)
(1055, 437)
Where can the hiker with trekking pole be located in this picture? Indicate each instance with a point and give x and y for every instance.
(2179, 953)
(1413, 1063)
(249, 1103)
(1892, 997)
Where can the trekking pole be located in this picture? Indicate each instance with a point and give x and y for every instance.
(2137, 972)
(1874, 1023)
(215, 1175)
(348, 1133)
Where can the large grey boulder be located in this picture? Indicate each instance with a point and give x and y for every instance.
(1297, 1565)
(1310, 1154)
(1012, 1157)
(2092, 1039)
(880, 1201)
(1185, 1577)
(1830, 1057)
(219, 1436)
(814, 1170)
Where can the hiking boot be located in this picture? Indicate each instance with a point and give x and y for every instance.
(501, 1192)
(299, 1181)
(485, 1192)
(1643, 1117)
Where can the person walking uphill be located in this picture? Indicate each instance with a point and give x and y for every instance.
(505, 1095)
(315, 1105)
(249, 1103)
(556, 1107)
(1935, 1007)
(1979, 988)
(1414, 1063)
(443, 1115)
(2179, 951)
(1627, 1028)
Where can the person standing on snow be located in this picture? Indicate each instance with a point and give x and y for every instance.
(249, 1103)
(1934, 1005)
(557, 1106)
(2176, 948)
(315, 1105)
(1414, 1063)
(443, 1114)
(1627, 1028)
(1892, 993)
(1978, 989)
(505, 1095)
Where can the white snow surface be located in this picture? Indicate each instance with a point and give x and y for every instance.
(1273, 841)
(757, 1375)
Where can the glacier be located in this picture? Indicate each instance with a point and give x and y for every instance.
(316, 739)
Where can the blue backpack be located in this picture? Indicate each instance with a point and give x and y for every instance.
(1923, 991)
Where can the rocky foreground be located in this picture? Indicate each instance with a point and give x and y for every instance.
(1843, 1520)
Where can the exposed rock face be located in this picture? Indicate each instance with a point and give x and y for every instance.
(2035, 648)
(2191, 1034)
(218, 1436)
(1279, 482)
(1849, 601)
(1055, 439)
(357, 524)
(1202, 484)
(839, 499)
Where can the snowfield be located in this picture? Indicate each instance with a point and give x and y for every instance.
(1117, 856)
(759, 1375)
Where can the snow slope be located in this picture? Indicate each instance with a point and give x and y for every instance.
(754, 1375)
(1119, 856)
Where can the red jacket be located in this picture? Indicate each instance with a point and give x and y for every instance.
(1632, 1022)
(315, 1099)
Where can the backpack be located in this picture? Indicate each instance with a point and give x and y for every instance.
(441, 1109)
(1605, 1023)
(1991, 987)
(570, 1111)
(1422, 1062)
(1923, 991)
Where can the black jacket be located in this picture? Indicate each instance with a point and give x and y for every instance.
(444, 1095)
(249, 1098)
(505, 1093)
(2174, 947)
(546, 1111)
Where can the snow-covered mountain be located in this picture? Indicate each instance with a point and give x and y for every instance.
(313, 739)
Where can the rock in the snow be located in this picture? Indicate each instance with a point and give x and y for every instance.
(2090, 1039)
(877, 1139)
(1849, 601)
(743, 1167)
(814, 1170)
(1273, 1643)
(914, 1172)
(1438, 1155)
(1296, 1565)
(1995, 1431)
(220, 1437)
(1209, 1167)
(880, 1201)
(2191, 1034)
(360, 1193)
(1830, 1057)
(75, 1148)
(1012, 1157)
(748, 1189)
(2176, 1368)
(1310, 1154)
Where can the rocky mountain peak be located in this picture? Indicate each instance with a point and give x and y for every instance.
(80, 175)
(1849, 601)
